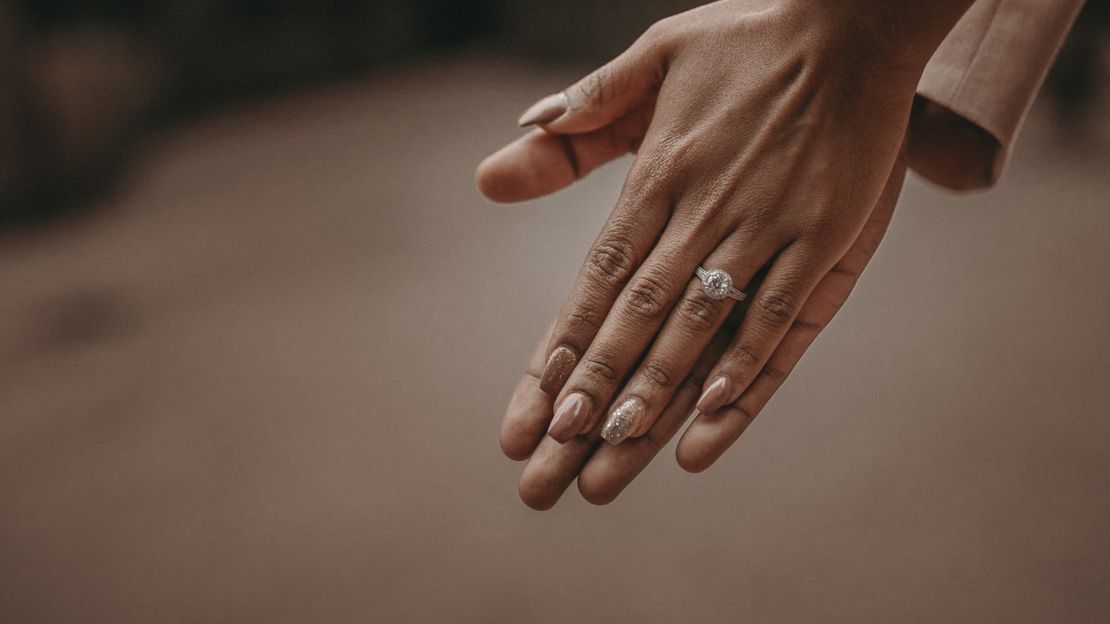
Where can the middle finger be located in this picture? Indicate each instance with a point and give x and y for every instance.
(630, 326)
(687, 332)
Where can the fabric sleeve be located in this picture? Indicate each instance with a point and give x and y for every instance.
(988, 72)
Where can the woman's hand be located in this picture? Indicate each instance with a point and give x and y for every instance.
(765, 135)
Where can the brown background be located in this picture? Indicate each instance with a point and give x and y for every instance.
(263, 383)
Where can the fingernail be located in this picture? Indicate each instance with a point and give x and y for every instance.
(715, 395)
(623, 420)
(546, 110)
(570, 417)
(559, 367)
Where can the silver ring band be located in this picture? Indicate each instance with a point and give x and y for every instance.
(717, 284)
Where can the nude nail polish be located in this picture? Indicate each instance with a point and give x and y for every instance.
(545, 111)
(570, 417)
(715, 395)
(560, 364)
(623, 420)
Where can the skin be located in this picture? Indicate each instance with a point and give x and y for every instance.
(602, 470)
(768, 138)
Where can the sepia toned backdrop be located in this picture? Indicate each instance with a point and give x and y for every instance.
(256, 374)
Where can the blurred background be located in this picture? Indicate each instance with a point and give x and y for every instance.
(257, 330)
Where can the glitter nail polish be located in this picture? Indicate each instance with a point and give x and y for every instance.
(559, 366)
(623, 420)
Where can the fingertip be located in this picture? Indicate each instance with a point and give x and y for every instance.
(526, 419)
(612, 469)
(692, 462)
(542, 483)
(694, 452)
(520, 437)
(532, 166)
(709, 436)
(514, 447)
(490, 184)
(536, 496)
(596, 491)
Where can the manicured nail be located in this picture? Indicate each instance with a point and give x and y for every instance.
(546, 110)
(623, 421)
(570, 417)
(559, 366)
(715, 395)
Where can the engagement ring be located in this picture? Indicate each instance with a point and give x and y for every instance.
(717, 284)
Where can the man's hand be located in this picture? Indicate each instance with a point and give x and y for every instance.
(603, 471)
(766, 135)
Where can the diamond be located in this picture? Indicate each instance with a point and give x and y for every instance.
(716, 284)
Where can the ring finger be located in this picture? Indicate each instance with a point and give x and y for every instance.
(626, 240)
(628, 328)
(688, 330)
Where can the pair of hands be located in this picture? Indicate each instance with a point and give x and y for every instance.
(768, 137)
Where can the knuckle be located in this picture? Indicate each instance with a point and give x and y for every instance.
(743, 355)
(657, 172)
(658, 374)
(841, 268)
(583, 320)
(809, 326)
(646, 298)
(824, 239)
(677, 146)
(825, 221)
(695, 380)
(612, 261)
(774, 373)
(659, 32)
(778, 305)
(699, 312)
(601, 368)
(593, 86)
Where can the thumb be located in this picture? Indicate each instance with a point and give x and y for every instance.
(604, 96)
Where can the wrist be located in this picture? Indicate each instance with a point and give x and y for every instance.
(900, 34)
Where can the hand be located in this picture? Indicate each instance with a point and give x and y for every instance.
(765, 139)
(603, 471)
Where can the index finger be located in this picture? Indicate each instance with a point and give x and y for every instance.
(710, 435)
(612, 468)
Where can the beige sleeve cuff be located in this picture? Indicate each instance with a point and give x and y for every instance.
(989, 70)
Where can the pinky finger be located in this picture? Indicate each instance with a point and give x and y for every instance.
(710, 435)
